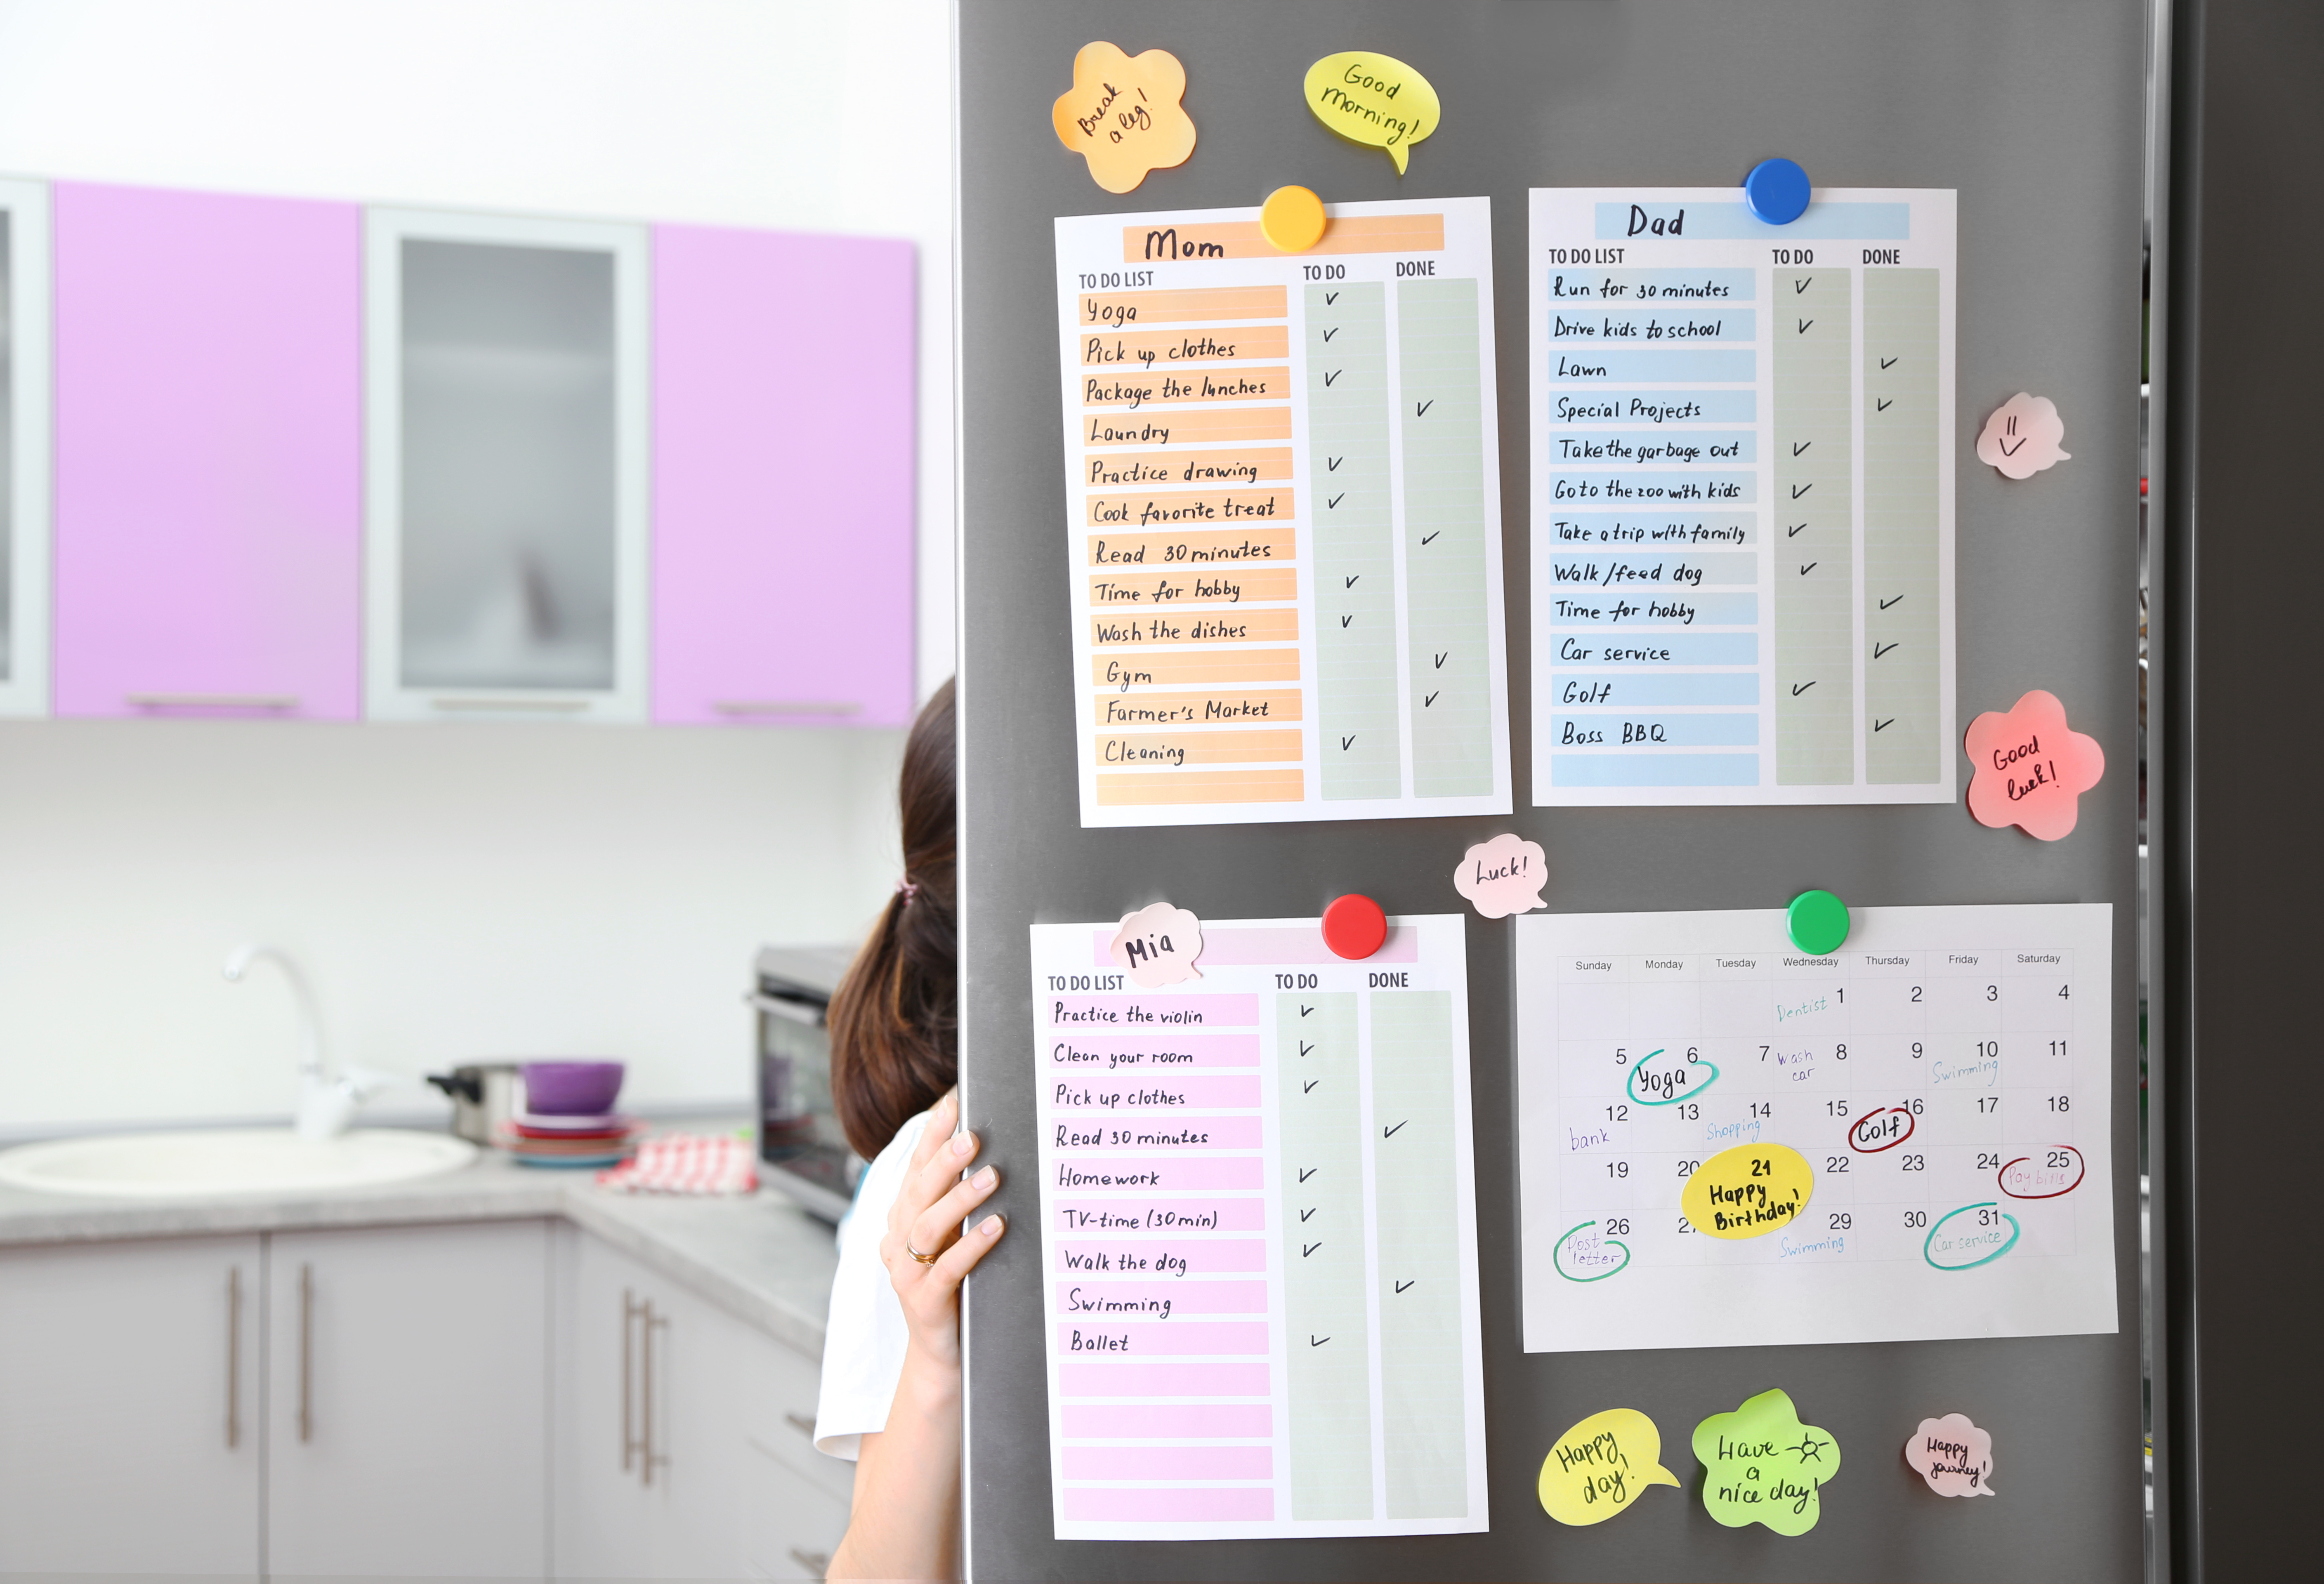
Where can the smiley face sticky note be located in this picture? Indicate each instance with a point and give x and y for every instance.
(1747, 1192)
(1502, 876)
(2021, 438)
(1123, 115)
(1598, 1468)
(1763, 1466)
(1953, 1455)
(2032, 770)
(1158, 946)
(1375, 100)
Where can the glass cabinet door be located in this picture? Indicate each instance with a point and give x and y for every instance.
(24, 452)
(505, 468)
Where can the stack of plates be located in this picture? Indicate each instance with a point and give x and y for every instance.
(569, 1141)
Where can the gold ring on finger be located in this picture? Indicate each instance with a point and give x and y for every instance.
(915, 1254)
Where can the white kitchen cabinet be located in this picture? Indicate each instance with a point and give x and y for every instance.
(25, 447)
(129, 1404)
(407, 1401)
(505, 417)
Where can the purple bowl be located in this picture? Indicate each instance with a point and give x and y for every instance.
(571, 1088)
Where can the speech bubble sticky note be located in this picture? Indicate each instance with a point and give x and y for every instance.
(1763, 1466)
(1598, 1468)
(2032, 770)
(1747, 1192)
(2021, 438)
(1374, 99)
(1953, 1455)
(1502, 876)
(1123, 115)
(1158, 946)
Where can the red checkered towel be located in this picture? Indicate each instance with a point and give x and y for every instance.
(685, 1163)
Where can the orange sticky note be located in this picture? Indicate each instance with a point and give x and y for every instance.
(1123, 115)
(2032, 769)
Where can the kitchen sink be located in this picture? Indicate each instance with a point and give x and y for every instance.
(242, 1160)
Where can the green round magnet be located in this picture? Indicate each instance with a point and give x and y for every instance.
(1818, 922)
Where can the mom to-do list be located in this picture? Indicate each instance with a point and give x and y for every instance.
(1742, 498)
(1259, 1237)
(1725, 1141)
(1283, 473)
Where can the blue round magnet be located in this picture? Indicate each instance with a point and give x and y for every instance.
(1776, 190)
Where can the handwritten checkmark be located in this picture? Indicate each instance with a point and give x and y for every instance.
(1335, 502)
(2009, 450)
(1799, 490)
(1332, 332)
(1898, 601)
(1345, 743)
(1313, 1339)
(1886, 362)
(1794, 529)
(1884, 726)
(1304, 1047)
(1308, 1088)
(1330, 298)
(1442, 658)
(1400, 1286)
(1799, 446)
(1307, 1172)
(1344, 621)
(1309, 1249)
(1802, 284)
(1881, 649)
(1432, 538)
(1334, 374)
(1391, 1132)
(1305, 1213)
(1422, 410)
(1800, 687)
(1304, 1010)
(1429, 700)
(1810, 567)
(1333, 464)
(1803, 326)
(1351, 580)
(1882, 405)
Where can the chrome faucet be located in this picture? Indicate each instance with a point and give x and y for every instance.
(326, 1105)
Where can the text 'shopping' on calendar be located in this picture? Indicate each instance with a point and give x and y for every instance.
(1259, 1230)
(1282, 473)
(1725, 1141)
(1742, 497)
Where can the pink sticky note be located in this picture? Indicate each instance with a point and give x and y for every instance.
(1953, 1455)
(2021, 438)
(1502, 876)
(2032, 769)
(1158, 946)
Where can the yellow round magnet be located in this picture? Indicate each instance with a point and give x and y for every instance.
(1292, 220)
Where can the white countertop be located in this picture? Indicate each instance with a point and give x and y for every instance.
(760, 1257)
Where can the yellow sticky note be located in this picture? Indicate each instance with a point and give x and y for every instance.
(1375, 100)
(1597, 1468)
(1123, 115)
(1747, 1192)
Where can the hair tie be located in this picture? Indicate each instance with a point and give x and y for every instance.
(907, 889)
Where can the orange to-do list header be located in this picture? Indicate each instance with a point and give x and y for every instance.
(1242, 239)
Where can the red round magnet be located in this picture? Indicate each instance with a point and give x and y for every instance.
(1354, 926)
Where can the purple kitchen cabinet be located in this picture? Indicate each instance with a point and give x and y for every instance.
(208, 454)
(783, 460)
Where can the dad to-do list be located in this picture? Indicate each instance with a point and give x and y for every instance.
(1283, 477)
(1259, 1237)
(1742, 498)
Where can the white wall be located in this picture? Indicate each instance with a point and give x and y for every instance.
(475, 891)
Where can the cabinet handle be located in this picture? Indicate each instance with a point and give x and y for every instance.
(559, 706)
(648, 1456)
(211, 701)
(801, 1424)
(306, 1352)
(629, 1431)
(818, 1562)
(232, 1357)
(786, 706)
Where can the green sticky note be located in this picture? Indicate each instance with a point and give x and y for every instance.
(1818, 922)
(1763, 1466)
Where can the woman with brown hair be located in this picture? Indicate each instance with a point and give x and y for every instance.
(892, 1374)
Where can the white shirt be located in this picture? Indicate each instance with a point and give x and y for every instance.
(865, 1339)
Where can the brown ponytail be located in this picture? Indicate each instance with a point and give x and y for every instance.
(895, 1018)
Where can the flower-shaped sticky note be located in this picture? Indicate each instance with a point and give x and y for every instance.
(1763, 1466)
(1158, 946)
(1953, 1455)
(2021, 438)
(1123, 115)
(1502, 876)
(2032, 769)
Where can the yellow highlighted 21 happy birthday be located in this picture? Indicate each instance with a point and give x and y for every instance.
(1597, 1469)
(1747, 1192)
(1375, 100)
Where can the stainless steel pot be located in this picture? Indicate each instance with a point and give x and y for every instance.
(483, 1097)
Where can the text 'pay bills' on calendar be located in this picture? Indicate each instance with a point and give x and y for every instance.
(1726, 1141)
(1742, 497)
(1283, 477)
(1259, 1234)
